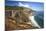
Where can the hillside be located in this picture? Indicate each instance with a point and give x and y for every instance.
(15, 7)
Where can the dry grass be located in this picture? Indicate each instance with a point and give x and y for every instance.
(12, 25)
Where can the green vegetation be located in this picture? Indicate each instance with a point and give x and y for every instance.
(13, 8)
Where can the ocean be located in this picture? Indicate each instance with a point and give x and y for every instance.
(40, 18)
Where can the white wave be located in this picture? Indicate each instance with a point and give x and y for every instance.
(33, 22)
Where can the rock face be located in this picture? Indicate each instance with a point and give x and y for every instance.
(18, 18)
